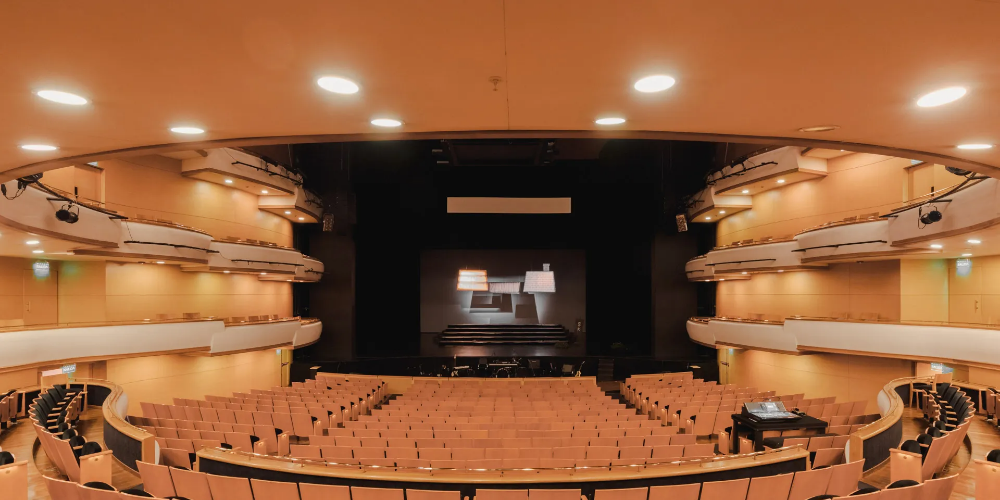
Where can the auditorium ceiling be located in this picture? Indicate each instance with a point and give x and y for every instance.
(246, 73)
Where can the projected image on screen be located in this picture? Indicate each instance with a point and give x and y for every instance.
(501, 287)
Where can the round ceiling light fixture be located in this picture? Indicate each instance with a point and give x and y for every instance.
(38, 147)
(302, 218)
(975, 146)
(937, 246)
(288, 212)
(386, 122)
(746, 191)
(655, 83)
(942, 96)
(611, 120)
(338, 85)
(187, 130)
(61, 97)
(819, 128)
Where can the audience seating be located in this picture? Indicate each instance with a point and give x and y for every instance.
(838, 480)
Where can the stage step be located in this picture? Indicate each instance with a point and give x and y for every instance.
(519, 334)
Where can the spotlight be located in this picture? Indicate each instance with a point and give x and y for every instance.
(930, 217)
(67, 215)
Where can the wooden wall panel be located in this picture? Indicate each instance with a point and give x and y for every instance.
(849, 378)
(924, 290)
(855, 289)
(159, 379)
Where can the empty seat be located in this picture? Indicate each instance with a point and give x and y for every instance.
(359, 493)
(230, 488)
(309, 491)
(622, 494)
(272, 490)
(430, 495)
(810, 483)
(14, 480)
(190, 484)
(554, 494)
(725, 490)
(675, 492)
(155, 479)
(484, 494)
(844, 478)
(770, 487)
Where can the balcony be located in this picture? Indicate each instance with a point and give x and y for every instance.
(769, 170)
(234, 255)
(966, 343)
(156, 240)
(302, 207)
(238, 170)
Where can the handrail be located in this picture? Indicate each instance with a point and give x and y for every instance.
(430, 474)
(163, 223)
(839, 223)
(780, 239)
(748, 320)
(258, 244)
(54, 326)
(947, 324)
(891, 415)
(110, 410)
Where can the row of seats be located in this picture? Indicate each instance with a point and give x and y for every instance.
(506, 431)
(611, 437)
(54, 414)
(166, 482)
(949, 412)
(495, 458)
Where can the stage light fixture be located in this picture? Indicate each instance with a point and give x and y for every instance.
(929, 217)
(67, 215)
(472, 280)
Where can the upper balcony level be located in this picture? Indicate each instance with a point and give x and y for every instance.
(959, 221)
(960, 343)
(34, 230)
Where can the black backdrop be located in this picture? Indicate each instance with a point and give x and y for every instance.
(389, 203)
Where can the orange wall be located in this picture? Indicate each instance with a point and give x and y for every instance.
(152, 186)
(159, 379)
(849, 378)
(855, 289)
(856, 184)
(924, 290)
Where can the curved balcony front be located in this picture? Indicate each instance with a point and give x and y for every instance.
(770, 256)
(847, 241)
(249, 257)
(251, 336)
(33, 211)
(238, 170)
(972, 210)
(303, 206)
(151, 240)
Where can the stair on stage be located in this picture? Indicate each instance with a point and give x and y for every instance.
(504, 335)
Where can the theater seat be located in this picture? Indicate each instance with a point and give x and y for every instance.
(309, 491)
(770, 487)
(272, 490)
(14, 480)
(231, 488)
(675, 492)
(359, 493)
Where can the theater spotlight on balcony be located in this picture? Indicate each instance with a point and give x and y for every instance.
(67, 214)
(928, 217)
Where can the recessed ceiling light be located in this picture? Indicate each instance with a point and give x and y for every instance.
(337, 85)
(61, 97)
(611, 120)
(263, 191)
(708, 217)
(386, 122)
(227, 272)
(942, 96)
(820, 128)
(262, 274)
(975, 242)
(721, 212)
(302, 218)
(746, 191)
(288, 212)
(937, 246)
(187, 130)
(159, 262)
(655, 83)
(744, 272)
(966, 255)
(781, 181)
(781, 270)
(975, 146)
(31, 242)
(38, 147)
(722, 279)
(229, 181)
(38, 251)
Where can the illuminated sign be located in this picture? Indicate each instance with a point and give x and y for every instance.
(69, 368)
(41, 269)
(963, 267)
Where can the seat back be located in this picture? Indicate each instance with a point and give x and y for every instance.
(809, 483)
(231, 488)
(770, 487)
(844, 478)
(987, 479)
(309, 491)
(905, 493)
(725, 490)
(905, 465)
(359, 493)
(938, 489)
(675, 492)
(622, 494)
(63, 490)
(156, 479)
(14, 480)
(190, 484)
(272, 490)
